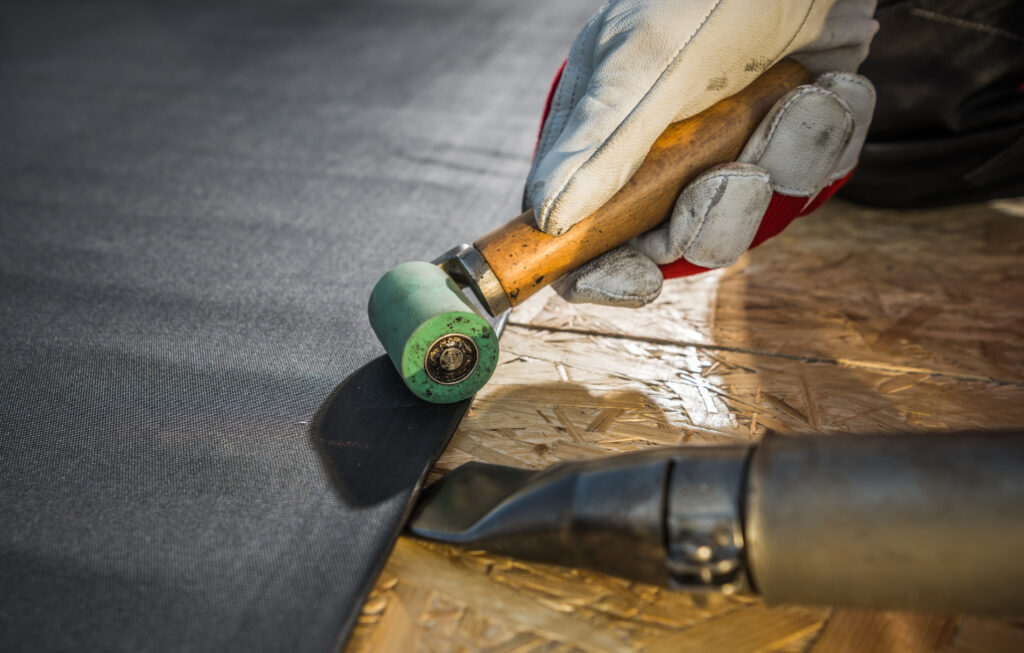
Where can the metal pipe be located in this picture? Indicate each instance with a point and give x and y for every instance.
(923, 521)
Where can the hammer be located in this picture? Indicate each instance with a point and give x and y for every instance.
(443, 347)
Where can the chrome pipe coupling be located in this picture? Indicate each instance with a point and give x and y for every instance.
(704, 520)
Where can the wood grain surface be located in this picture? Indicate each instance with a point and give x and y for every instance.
(854, 320)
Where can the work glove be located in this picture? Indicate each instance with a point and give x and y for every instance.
(640, 65)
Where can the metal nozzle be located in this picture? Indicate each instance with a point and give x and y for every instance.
(608, 514)
(916, 521)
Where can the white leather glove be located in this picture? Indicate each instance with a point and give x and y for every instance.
(639, 65)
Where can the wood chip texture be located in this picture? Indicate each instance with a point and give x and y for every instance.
(854, 320)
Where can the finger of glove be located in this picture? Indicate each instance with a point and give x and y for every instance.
(798, 144)
(859, 95)
(801, 140)
(650, 67)
(621, 277)
(715, 218)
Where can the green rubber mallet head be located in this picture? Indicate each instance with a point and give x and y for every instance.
(441, 346)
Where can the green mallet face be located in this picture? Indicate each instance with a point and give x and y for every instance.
(444, 350)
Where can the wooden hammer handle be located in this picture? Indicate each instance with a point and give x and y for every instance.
(525, 259)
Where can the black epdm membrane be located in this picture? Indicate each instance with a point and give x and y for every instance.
(195, 201)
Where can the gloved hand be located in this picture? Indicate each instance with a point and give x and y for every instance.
(639, 65)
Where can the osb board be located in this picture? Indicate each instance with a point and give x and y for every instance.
(930, 291)
(854, 321)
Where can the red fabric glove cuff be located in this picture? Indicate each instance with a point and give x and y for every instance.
(547, 104)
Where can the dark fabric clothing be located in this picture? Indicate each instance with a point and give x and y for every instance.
(949, 125)
(195, 201)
